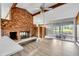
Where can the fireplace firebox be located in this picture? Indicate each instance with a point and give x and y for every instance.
(24, 34)
(13, 35)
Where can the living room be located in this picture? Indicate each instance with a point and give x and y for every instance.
(39, 29)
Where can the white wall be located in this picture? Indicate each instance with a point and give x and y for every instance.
(49, 32)
(5, 7)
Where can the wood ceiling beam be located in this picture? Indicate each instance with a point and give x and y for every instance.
(53, 7)
(57, 5)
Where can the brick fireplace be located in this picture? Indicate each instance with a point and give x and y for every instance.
(20, 24)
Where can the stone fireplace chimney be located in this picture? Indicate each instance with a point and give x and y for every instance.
(21, 23)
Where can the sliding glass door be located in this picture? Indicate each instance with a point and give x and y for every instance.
(68, 32)
(64, 31)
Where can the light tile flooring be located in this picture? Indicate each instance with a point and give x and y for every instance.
(49, 47)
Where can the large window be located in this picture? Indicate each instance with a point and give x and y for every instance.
(68, 32)
(64, 31)
(55, 30)
(68, 29)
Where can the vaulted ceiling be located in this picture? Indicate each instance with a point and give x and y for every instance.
(32, 8)
(59, 10)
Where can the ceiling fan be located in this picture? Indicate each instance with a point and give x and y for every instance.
(44, 8)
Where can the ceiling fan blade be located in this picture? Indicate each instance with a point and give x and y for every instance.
(47, 8)
(43, 7)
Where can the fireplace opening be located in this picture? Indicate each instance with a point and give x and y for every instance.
(13, 35)
(24, 34)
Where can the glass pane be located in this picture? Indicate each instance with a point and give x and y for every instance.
(68, 32)
(57, 30)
